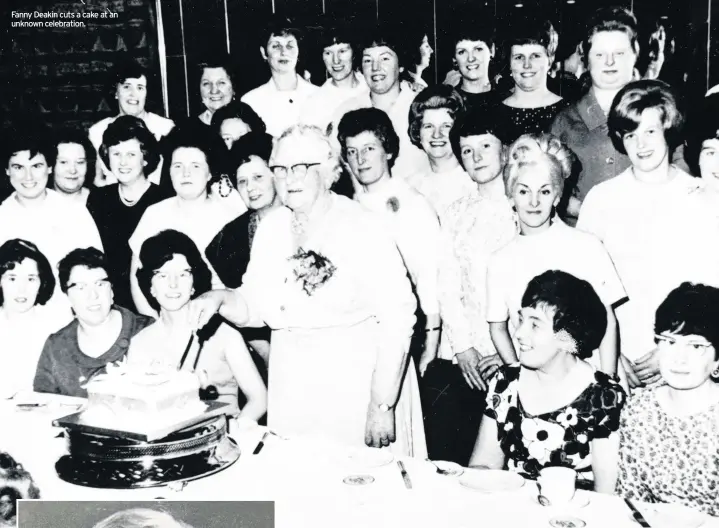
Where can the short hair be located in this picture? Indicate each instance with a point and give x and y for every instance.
(473, 30)
(392, 36)
(611, 19)
(703, 124)
(476, 122)
(90, 258)
(315, 133)
(75, 136)
(578, 311)
(223, 61)
(341, 33)
(128, 69)
(211, 145)
(529, 149)
(160, 249)
(281, 26)
(434, 98)
(125, 128)
(371, 120)
(690, 309)
(528, 32)
(36, 141)
(237, 110)
(141, 518)
(13, 252)
(15, 481)
(631, 102)
(251, 144)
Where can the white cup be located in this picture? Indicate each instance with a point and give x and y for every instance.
(557, 484)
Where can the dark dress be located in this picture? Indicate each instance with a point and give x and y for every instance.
(116, 222)
(513, 122)
(478, 101)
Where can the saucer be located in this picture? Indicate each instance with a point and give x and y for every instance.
(369, 457)
(491, 480)
(566, 522)
(578, 501)
(450, 469)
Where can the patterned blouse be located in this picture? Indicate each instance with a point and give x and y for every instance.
(558, 438)
(669, 458)
(512, 122)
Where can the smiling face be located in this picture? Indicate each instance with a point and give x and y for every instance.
(686, 362)
(529, 65)
(233, 129)
(380, 67)
(70, 168)
(534, 196)
(611, 60)
(538, 343)
(20, 286)
(131, 95)
(473, 58)
(647, 146)
(28, 175)
(338, 61)
(367, 158)
(709, 163)
(172, 284)
(215, 88)
(481, 157)
(255, 183)
(434, 133)
(90, 294)
(127, 162)
(281, 53)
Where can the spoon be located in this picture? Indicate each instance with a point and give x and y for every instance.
(439, 469)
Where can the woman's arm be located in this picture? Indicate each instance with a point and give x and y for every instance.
(143, 307)
(487, 453)
(503, 342)
(245, 373)
(605, 463)
(608, 348)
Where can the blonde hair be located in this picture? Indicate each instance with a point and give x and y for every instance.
(141, 518)
(531, 149)
(313, 132)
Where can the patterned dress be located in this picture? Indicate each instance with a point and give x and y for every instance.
(669, 458)
(558, 438)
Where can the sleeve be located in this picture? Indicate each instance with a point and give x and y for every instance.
(88, 235)
(44, 379)
(497, 310)
(608, 284)
(498, 392)
(142, 231)
(607, 403)
(560, 126)
(591, 215)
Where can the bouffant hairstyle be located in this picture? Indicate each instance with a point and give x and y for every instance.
(371, 120)
(78, 137)
(690, 309)
(237, 110)
(531, 149)
(13, 252)
(611, 19)
(525, 32)
(141, 518)
(160, 249)
(577, 309)
(476, 122)
(211, 145)
(15, 484)
(125, 128)
(638, 96)
(442, 96)
(90, 258)
(702, 124)
(253, 143)
(313, 132)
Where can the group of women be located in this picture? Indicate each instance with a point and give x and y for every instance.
(455, 282)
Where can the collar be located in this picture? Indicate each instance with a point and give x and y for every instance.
(590, 111)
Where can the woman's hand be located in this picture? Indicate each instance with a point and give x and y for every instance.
(468, 362)
(453, 78)
(425, 359)
(647, 367)
(489, 365)
(380, 427)
(204, 307)
(629, 369)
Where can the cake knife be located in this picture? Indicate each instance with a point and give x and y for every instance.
(405, 476)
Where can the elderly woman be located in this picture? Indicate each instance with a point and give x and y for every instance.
(141, 518)
(131, 152)
(329, 281)
(216, 89)
(553, 408)
(172, 274)
(534, 181)
(194, 160)
(74, 160)
(26, 321)
(531, 107)
(99, 335)
(650, 218)
(129, 84)
(669, 450)
(431, 118)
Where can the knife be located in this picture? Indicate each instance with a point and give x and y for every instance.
(405, 476)
(261, 444)
(637, 514)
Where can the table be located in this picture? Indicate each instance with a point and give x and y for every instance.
(305, 478)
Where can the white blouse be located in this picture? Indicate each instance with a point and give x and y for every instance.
(442, 189)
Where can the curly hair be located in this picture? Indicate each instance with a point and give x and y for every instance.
(529, 149)
(157, 250)
(371, 120)
(15, 484)
(90, 258)
(74, 136)
(442, 96)
(141, 518)
(690, 309)
(125, 128)
(577, 309)
(253, 143)
(237, 110)
(13, 252)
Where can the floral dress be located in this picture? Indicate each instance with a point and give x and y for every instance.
(558, 438)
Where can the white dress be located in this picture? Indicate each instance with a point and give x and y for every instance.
(320, 108)
(330, 328)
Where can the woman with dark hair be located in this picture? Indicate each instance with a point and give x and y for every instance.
(234, 120)
(552, 408)
(195, 163)
(217, 87)
(669, 448)
(99, 335)
(75, 158)
(420, 60)
(16, 483)
(26, 320)
(431, 118)
(131, 152)
(172, 274)
(702, 152)
(637, 213)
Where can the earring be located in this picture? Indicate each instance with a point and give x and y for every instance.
(225, 186)
(715, 374)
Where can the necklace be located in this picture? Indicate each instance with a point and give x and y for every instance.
(128, 201)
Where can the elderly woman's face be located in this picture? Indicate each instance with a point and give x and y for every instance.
(28, 174)
(90, 294)
(255, 183)
(299, 164)
(215, 88)
(534, 195)
(70, 168)
(282, 52)
(127, 162)
(434, 133)
(20, 286)
(529, 65)
(685, 361)
(611, 60)
(233, 129)
(172, 284)
(189, 173)
(481, 157)
(647, 145)
(472, 58)
(538, 343)
(131, 95)
(709, 163)
(338, 61)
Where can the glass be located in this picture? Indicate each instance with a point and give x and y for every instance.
(700, 346)
(102, 284)
(299, 170)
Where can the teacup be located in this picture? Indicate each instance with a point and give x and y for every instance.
(557, 484)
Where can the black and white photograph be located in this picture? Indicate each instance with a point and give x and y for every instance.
(380, 262)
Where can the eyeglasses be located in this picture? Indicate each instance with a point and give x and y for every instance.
(694, 344)
(102, 284)
(299, 170)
